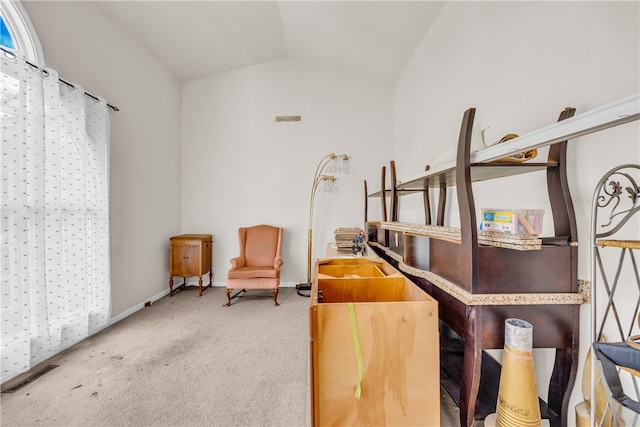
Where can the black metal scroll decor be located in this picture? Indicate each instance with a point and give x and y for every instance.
(620, 195)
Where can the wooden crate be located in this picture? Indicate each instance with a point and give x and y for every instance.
(396, 324)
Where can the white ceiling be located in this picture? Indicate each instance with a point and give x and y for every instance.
(193, 39)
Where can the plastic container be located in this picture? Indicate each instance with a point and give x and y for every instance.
(514, 221)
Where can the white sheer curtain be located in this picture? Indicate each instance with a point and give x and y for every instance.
(55, 215)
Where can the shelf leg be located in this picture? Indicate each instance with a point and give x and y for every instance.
(471, 364)
(561, 384)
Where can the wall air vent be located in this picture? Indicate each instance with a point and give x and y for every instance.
(288, 118)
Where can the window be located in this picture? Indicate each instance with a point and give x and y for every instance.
(54, 217)
(18, 33)
(5, 36)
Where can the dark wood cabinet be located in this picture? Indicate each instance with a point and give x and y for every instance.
(190, 256)
(478, 286)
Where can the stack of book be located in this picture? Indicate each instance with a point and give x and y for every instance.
(344, 238)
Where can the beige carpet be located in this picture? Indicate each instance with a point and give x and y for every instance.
(184, 361)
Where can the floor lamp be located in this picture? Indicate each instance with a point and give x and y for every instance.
(334, 164)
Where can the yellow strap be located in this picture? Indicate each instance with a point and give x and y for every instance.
(356, 343)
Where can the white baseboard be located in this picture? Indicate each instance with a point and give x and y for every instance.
(288, 284)
(135, 308)
(162, 294)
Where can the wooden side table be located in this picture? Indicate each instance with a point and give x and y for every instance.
(190, 256)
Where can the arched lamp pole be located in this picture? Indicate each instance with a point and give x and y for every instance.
(339, 163)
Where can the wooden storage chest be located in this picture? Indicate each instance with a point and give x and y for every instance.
(370, 325)
(190, 256)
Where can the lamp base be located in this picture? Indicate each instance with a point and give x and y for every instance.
(303, 287)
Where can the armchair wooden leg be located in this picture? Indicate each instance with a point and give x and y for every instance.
(228, 298)
(275, 297)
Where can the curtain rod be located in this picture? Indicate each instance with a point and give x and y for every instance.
(13, 55)
(114, 108)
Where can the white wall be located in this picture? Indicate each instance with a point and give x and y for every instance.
(241, 168)
(89, 49)
(520, 64)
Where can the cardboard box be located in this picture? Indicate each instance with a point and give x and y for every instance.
(516, 221)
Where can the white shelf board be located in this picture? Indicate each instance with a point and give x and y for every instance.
(614, 114)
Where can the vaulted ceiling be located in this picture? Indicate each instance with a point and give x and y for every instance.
(192, 39)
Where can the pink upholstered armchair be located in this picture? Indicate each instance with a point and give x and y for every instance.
(258, 266)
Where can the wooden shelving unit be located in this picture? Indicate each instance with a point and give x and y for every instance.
(479, 286)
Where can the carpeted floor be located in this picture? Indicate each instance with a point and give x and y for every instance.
(184, 361)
